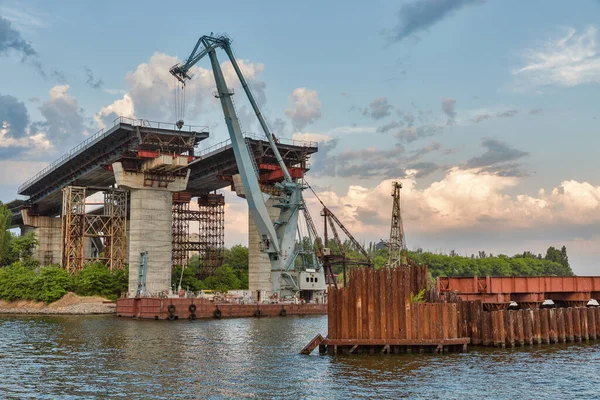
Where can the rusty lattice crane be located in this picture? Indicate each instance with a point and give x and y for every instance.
(397, 243)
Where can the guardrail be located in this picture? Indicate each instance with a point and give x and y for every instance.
(227, 142)
(101, 134)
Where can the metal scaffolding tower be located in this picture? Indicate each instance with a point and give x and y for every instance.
(397, 243)
(212, 230)
(104, 228)
(183, 245)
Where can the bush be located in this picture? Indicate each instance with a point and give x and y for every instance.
(97, 280)
(18, 283)
(53, 282)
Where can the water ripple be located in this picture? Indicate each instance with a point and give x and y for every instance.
(70, 357)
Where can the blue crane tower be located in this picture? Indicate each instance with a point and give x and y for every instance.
(278, 239)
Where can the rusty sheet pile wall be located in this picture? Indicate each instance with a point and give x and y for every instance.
(526, 327)
(380, 308)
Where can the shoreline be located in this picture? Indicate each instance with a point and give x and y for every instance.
(69, 304)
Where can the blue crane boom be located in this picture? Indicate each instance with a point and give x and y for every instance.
(278, 238)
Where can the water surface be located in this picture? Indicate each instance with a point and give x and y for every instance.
(64, 357)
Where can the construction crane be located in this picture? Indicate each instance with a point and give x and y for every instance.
(278, 239)
(397, 243)
(324, 253)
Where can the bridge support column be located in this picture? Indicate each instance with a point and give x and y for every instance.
(260, 281)
(48, 233)
(150, 224)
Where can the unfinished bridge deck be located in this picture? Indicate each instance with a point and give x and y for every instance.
(89, 164)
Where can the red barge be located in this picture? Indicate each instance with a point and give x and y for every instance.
(199, 308)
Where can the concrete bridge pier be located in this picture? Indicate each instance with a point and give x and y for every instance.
(48, 234)
(151, 218)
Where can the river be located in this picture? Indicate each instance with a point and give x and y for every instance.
(63, 357)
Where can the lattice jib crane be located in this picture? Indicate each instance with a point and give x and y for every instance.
(397, 243)
(278, 239)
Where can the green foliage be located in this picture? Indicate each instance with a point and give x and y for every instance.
(97, 280)
(236, 257)
(21, 249)
(224, 279)
(18, 282)
(5, 236)
(53, 282)
(418, 298)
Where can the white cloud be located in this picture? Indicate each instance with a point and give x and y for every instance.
(64, 123)
(151, 90)
(305, 108)
(120, 108)
(311, 137)
(466, 200)
(568, 61)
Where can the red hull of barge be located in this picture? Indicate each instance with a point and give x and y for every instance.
(155, 308)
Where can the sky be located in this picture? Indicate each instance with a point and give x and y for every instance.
(485, 110)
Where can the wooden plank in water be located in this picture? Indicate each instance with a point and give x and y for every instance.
(313, 344)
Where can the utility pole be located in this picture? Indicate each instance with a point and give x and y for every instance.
(397, 243)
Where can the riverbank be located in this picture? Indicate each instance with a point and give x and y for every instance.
(69, 304)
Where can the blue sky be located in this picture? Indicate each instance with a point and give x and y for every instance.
(486, 110)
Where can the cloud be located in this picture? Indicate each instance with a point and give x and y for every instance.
(311, 137)
(378, 109)
(123, 107)
(278, 126)
(535, 111)
(11, 39)
(91, 81)
(388, 127)
(32, 145)
(508, 114)
(498, 159)
(418, 153)
(418, 15)
(151, 89)
(414, 133)
(448, 106)
(481, 117)
(13, 114)
(466, 200)
(64, 123)
(567, 61)
(305, 108)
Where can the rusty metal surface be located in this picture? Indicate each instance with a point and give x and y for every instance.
(377, 305)
(530, 289)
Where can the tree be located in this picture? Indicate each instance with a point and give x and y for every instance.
(224, 279)
(21, 249)
(5, 236)
(237, 257)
